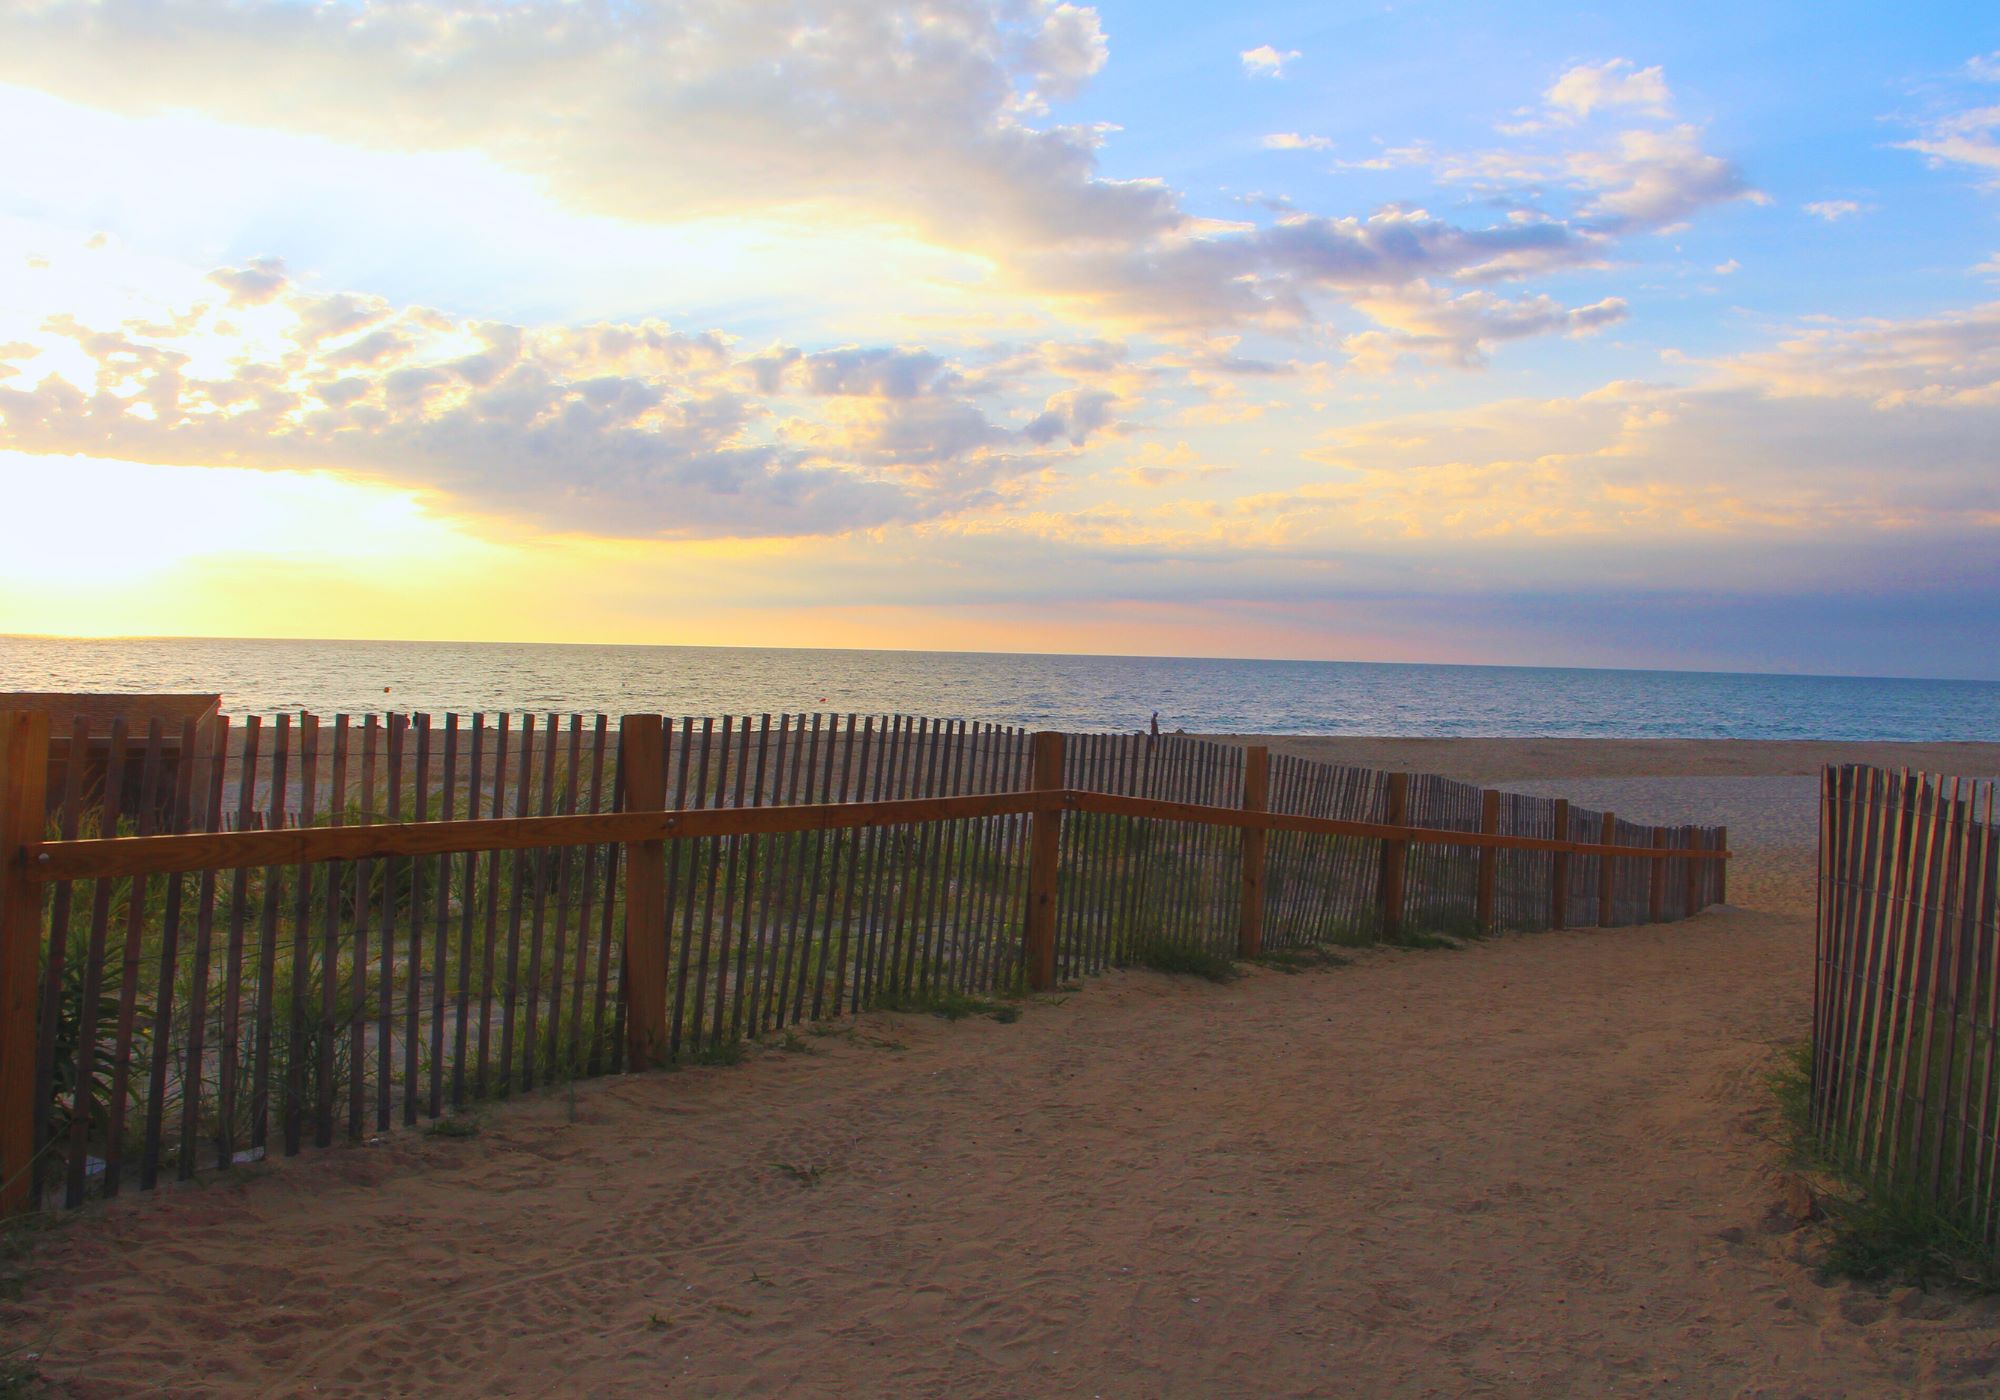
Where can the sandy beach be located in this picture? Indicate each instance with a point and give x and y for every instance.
(1539, 1165)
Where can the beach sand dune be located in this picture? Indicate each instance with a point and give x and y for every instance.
(1540, 1165)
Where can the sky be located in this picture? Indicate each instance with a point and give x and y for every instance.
(1661, 337)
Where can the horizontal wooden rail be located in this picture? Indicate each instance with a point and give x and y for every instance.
(1156, 810)
(111, 857)
(235, 850)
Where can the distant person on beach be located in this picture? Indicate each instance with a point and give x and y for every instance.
(1153, 735)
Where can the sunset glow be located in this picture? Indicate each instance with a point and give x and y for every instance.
(1019, 326)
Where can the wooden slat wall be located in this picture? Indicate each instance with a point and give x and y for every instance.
(1906, 1057)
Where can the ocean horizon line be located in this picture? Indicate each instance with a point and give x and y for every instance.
(145, 638)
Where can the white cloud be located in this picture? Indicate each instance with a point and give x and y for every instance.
(1951, 359)
(1833, 210)
(1641, 179)
(1971, 138)
(1067, 51)
(1728, 269)
(1784, 443)
(909, 113)
(1589, 88)
(1656, 179)
(1266, 62)
(913, 116)
(1461, 330)
(617, 429)
(1293, 141)
(1155, 465)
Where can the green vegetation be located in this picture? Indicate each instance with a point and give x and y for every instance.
(721, 1052)
(947, 1004)
(1292, 961)
(1879, 1231)
(1182, 960)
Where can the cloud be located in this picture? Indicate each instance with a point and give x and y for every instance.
(1765, 474)
(1970, 136)
(1293, 141)
(1156, 465)
(1657, 179)
(1589, 88)
(619, 429)
(1266, 62)
(911, 112)
(253, 284)
(1270, 276)
(926, 117)
(1067, 51)
(1948, 360)
(1642, 179)
(1728, 269)
(1429, 325)
(1679, 474)
(1073, 414)
(1833, 210)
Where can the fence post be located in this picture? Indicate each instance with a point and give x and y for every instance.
(642, 771)
(1694, 843)
(24, 773)
(1256, 798)
(1559, 871)
(1395, 855)
(1722, 866)
(1656, 888)
(1607, 873)
(1038, 938)
(1489, 858)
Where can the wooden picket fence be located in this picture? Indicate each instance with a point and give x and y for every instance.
(306, 931)
(1905, 1064)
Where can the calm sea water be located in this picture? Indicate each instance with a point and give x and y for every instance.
(1064, 692)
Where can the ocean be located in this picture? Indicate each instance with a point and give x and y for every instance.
(1078, 693)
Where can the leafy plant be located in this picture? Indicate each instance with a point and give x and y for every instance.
(71, 1067)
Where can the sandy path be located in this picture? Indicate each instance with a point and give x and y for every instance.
(1536, 1166)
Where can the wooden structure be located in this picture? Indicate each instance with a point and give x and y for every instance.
(354, 922)
(1906, 994)
(93, 723)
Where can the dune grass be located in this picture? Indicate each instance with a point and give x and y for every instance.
(947, 1004)
(1879, 1231)
(1182, 960)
